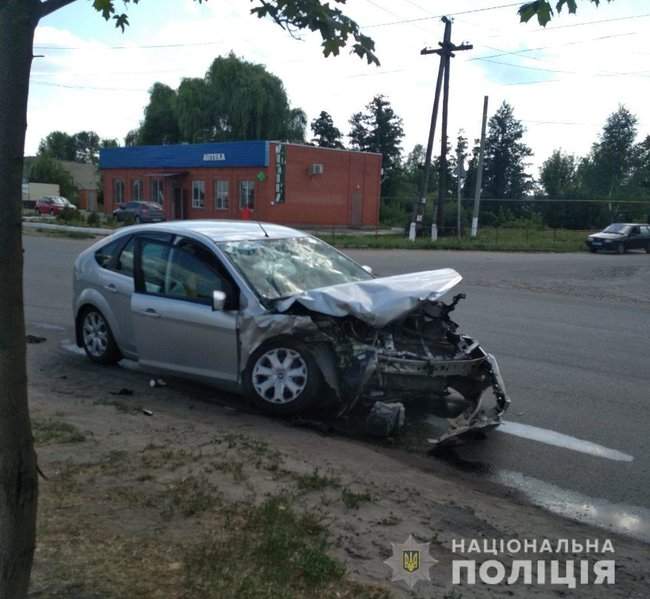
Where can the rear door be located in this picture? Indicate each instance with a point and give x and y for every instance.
(635, 241)
(176, 329)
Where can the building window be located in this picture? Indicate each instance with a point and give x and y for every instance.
(221, 195)
(247, 195)
(198, 194)
(118, 191)
(157, 195)
(138, 194)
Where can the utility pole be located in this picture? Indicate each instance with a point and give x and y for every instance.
(479, 171)
(446, 52)
(460, 173)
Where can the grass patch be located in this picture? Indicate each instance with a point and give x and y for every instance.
(315, 481)
(503, 239)
(48, 430)
(274, 552)
(352, 500)
(189, 497)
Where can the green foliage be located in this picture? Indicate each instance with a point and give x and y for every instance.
(326, 135)
(70, 215)
(379, 129)
(505, 156)
(160, 125)
(93, 220)
(80, 147)
(558, 175)
(48, 430)
(543, 9)
(44, 169)
(236, 100)
(335, 28)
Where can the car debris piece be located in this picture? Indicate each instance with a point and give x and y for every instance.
(122, 391)
(385, 419)
(147, 412)
(35, 339)
(157, 383)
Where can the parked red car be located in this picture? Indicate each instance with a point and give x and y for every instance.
(50, 205)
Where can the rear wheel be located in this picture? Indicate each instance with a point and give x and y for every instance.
(97, 338)
(283, 378)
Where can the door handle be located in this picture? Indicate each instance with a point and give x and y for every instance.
(110, 287)
(151, 313)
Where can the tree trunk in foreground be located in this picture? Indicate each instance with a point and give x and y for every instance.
(18, 478)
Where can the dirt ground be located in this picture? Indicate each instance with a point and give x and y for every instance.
(182, 492)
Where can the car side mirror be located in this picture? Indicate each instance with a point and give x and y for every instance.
(367, 268)
(218, 300)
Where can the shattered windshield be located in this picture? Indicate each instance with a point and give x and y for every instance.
(278, 268)
(616, 228)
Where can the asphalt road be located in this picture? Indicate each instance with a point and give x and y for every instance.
(572, 335)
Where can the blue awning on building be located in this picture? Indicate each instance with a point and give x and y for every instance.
(209, 155)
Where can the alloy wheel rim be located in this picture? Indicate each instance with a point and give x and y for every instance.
(280, 375)
(95, 334)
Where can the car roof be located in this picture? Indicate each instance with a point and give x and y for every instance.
(222, 230)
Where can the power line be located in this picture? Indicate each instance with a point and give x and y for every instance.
(89, 87)
(453, 14)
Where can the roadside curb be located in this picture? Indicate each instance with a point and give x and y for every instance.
(68, 228)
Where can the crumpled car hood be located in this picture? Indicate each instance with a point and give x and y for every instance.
(376, 302)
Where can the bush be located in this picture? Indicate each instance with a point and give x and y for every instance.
(70, 215)
(93, 220)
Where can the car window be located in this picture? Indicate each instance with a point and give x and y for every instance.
(105, 254)
(193, 275)
(124, 262)
(154, 265)
(635, 231)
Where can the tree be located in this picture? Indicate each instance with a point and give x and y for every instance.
(558, 175)
(44, 169)
(58, 145)
(505, 156)
(326, 135)
(609, 165)
(80, 147)
(160, 125)
(543, 9)
(18, 21)
(379, 129)
(132, 138)
(235, 100)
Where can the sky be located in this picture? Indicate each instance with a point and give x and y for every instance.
(563, 81)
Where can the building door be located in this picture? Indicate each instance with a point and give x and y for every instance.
(179, 212)
(92, 201)
(356, 218)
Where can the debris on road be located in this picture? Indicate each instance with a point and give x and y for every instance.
(122, 391)
(147, 412)
(157, 383)
(35, 339)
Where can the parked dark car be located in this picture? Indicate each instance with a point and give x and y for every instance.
(621, 237)
(139, 212)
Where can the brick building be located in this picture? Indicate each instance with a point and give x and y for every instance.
(279, 182)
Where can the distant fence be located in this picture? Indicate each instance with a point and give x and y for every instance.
(527, 212)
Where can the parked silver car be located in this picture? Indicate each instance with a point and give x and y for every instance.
(283, 318)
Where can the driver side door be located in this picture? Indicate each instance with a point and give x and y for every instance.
(176, 329)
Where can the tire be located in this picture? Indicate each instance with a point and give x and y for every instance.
(290, 394)
(620, 248)
(592, 250)
(97, 338)
(647, 249)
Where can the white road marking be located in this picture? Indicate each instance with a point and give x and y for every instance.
(630, 520)
(550, 437)
(46, 325)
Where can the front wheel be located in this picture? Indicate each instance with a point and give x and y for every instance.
(282, 378)
(97, 338)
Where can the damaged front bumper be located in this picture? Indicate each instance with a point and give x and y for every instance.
(467, 391)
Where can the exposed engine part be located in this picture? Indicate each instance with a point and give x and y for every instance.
(385, 419)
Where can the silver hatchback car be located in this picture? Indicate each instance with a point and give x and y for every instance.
(282, 317)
